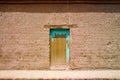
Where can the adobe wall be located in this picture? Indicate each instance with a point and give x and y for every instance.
(94, 44)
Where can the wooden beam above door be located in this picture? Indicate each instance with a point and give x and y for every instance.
(61, 26)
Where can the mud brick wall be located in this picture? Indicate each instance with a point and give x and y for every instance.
(94, 44)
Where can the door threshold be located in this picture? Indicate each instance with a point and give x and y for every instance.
(60, 67)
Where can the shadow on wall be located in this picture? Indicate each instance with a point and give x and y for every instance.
(60, 8)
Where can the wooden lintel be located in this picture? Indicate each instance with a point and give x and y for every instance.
(61, 26)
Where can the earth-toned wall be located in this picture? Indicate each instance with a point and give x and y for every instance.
(94, 43)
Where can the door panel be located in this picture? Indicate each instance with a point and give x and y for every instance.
(58, 46)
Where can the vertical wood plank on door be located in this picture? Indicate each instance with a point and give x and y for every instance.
(58, 51)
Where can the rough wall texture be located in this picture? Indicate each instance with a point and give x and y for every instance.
(94, 44)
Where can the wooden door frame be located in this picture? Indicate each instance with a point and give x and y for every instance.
(67, 47)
